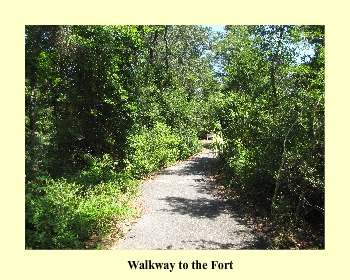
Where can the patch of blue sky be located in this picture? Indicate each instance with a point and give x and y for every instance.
(216, 27)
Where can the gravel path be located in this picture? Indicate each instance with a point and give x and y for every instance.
(183, 213)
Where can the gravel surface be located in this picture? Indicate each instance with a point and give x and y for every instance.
(183, 213)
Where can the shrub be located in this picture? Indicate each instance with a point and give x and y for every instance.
(65, 213)
(151, 150)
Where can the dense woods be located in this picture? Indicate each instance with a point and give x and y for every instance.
(108, 105)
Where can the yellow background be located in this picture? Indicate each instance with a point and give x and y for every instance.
(17, 263)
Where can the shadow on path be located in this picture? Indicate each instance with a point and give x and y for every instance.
(204, 208)
(203, 244)
(195, 166)
(198, 208)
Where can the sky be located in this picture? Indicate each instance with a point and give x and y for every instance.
(216, 27)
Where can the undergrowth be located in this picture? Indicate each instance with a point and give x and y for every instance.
(64, 213)
(282, 231)
(77, 211)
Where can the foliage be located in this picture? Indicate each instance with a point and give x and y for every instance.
(105, 106)
(65, 213)
(272, 120)
(151, 150)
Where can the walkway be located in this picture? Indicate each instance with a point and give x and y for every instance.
(183, 213)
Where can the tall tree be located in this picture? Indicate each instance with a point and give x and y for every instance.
(272, 118)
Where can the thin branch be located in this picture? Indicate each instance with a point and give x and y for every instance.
(280, 169)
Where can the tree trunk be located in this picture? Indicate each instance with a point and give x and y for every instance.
(152, 47)
(166, 48)
(32, 121)
(300, 203)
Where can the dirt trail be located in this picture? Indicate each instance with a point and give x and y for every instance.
(183, 213)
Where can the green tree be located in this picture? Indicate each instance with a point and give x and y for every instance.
(272, 120)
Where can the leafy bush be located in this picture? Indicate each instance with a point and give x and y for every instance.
(65, 213)
(188, 144)
(151, 150)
